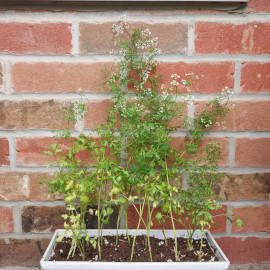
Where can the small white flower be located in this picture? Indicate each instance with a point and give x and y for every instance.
(175, 76)
(184, 82)
(174, 83)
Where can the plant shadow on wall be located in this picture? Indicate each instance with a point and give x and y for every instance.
(133, 162)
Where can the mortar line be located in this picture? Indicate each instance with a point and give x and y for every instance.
(191, 109)
(24, 203)
(75, 39)
(228, 223)
(26, 235)
(7, 77)
(49, 235)
(44, 169)
(96, 97)
(80, 58)
(232, 204)
(237, 77)
(17, 218)
(232, 152)
(184, 181)
(244, 203)
(67, 17)
(12, 152)
(122, 224)
(191, 38)
(242, 235)
(40, 133)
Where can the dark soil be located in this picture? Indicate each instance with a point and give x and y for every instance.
(121, 252)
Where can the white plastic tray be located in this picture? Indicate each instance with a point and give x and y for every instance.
(223, 264)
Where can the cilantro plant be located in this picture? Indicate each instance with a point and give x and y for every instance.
(82, 185)
(133, 162)
(143, 114)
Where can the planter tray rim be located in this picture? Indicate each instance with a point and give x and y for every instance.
(46, 264)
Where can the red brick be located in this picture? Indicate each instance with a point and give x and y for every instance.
(96, 113)
(178, 123)
(248, 38)
(245, 250)
(172, 37)
(4, 152)
(42, 38)
(259, 6)
(42, 218)
(19, 186)
(58, 77)
(30, 151)
(32, 114)
(177, 143)
(256, 219)
(243, 187)
(252, 152)
(133, 219)
(6, 219)
(22, 252)
(255, 77)
(223, 75)
(246, 115)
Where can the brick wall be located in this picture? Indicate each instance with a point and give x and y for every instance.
(46, 57)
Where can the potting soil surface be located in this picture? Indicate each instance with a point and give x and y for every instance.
(121, 252)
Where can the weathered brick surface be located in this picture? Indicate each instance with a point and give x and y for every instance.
(178, 144)
(256, 219)
(224, 75)
(248, 38)
(6, 219)
(172, 37)
(133, 219)
(243, 187)
(22, 252)
(259, 6)
(42, 218)
(32, 114)
(246, 115)
(18, 186)
(245, 250)
(252, 152)
(96, 113)
(30, 151)
(255, 77)
(59, 77)
(39, 38)
(4, 152)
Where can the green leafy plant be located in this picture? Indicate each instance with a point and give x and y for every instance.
(134, 163)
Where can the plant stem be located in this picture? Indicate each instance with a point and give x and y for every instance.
(138, 226)
(200, 253)
(127, 223)
(99, 240)
(172, 219)
(163, 231)
(118, 222)
(148, 230)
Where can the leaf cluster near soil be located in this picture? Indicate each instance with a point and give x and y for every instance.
(121, 252)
